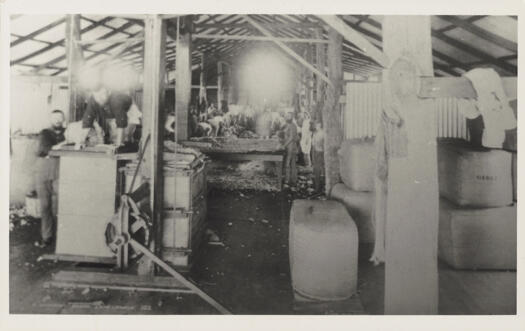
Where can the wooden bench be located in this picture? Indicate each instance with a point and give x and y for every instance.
(277, 157)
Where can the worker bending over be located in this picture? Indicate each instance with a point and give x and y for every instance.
(109, 110)
(46, 176)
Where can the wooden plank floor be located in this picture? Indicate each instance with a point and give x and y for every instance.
(461, 292)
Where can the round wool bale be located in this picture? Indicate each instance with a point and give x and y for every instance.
(323, 247)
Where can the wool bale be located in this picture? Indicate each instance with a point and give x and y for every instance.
(357, 164)
(475, 177)
(323, 250)
(477, 238)
(360, 206)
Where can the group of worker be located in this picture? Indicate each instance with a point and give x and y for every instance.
(301, 137)
(106, 113)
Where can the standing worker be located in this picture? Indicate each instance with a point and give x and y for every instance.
(306, 139)
(290, 146)
(46, 176)
(318, 154)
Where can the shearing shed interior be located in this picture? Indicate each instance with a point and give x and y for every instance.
(263, 164)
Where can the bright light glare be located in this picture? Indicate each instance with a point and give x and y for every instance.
(265, 77)
(115, 77)
(120, 78)
(88, 78)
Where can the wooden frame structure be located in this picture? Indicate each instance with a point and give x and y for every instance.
(227, 35)
(353, 45)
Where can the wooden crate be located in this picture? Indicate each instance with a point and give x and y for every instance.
(183, 186)
(183, 233)
(181, 227)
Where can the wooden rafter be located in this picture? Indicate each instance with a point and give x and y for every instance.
(476, 52)
(37, 32)
(259, 38)
(482, 33)
(356, 38)
(57, 43)
(105, 25)
(457, 44)
(105, 51)
(32, 39)
(471, 19)
(97, 53)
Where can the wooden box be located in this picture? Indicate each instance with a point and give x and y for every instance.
(184, 186)
(183, 232)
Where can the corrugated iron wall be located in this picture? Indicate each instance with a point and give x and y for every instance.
(363, 108)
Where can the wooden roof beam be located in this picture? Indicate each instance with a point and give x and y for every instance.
(482, 33)
(476, 52)
(103, 51)
(356, 38)
(471, 19)
(32, 39)
(260, 38)
(285, 32)
(57, 43)
(39, 31)
(105, 25)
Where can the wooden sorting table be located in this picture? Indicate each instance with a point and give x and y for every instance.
(88, 193)
(249, 151)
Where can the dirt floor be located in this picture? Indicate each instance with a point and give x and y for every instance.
(249, 275)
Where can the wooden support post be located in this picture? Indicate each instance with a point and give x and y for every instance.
(412, 200)
(183, 79)
(202, 81)
(153, 106)
(230, 85)
(74, 62)
(332, 111)
(321, 65)
(220, 84)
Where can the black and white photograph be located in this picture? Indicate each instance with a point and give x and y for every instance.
(262, 164)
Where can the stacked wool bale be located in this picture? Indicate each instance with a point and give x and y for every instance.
(478, 220)
(357, 167)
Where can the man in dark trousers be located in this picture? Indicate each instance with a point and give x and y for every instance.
(290, 145)
(46, 176)
(109, 110)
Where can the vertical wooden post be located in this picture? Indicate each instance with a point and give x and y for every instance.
(332, 110)
(74, 61)
(183, 78)
(308, 78)
(220, 84)
(321, 62)
(202, 80)
(230, 85)
(153, 107)
(412, 207)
